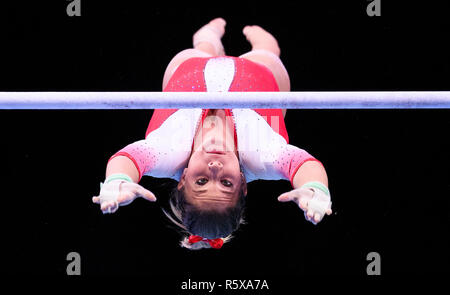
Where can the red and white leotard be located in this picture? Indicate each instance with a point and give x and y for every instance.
(261, 136)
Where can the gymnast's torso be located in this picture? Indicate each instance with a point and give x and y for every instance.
(222, 74)
(261, 138)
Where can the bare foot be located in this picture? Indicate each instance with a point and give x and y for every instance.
(261, 39)
(208, 38)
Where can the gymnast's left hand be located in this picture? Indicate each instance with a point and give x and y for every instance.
(120, 193)
(313, 201)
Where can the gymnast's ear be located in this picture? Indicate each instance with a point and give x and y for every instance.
(244, 184)
(182, 180)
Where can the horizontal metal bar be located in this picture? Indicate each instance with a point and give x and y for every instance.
(256, 100)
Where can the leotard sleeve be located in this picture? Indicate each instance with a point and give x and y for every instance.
(165, 151)
(264, 153)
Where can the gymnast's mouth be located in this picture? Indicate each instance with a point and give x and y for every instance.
(215, 148)
(217, 152)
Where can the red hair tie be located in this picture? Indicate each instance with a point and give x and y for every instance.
(215, 243)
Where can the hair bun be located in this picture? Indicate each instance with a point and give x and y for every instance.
(195, 246)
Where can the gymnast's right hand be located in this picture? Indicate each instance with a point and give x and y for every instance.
(120, 192)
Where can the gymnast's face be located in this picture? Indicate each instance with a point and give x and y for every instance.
(212, 180)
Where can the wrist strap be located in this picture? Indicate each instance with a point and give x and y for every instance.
(120, 176)
(317, 185)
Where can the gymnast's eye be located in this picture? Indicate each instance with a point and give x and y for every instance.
(226, 183)
(201, 181)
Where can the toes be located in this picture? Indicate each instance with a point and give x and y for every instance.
(219, 22)
(247, 30)
(252, 29)
(218, 25)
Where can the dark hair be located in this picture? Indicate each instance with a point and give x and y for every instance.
(211, 224)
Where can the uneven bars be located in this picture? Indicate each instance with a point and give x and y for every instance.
(257, 100)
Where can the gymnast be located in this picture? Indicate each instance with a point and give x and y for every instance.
(214, 153)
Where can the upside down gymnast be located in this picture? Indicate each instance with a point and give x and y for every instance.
(214, 153)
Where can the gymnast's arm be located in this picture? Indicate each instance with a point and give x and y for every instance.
(310, 171)
(122, 165)
(310, 182)
(123, 171)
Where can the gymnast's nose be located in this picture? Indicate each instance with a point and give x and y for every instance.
(215, 166)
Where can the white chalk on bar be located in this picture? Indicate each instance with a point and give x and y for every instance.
(216, 100)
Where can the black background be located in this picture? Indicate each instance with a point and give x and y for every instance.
(388, 169)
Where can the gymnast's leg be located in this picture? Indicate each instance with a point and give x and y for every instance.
(265, 51)
(207, 42)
